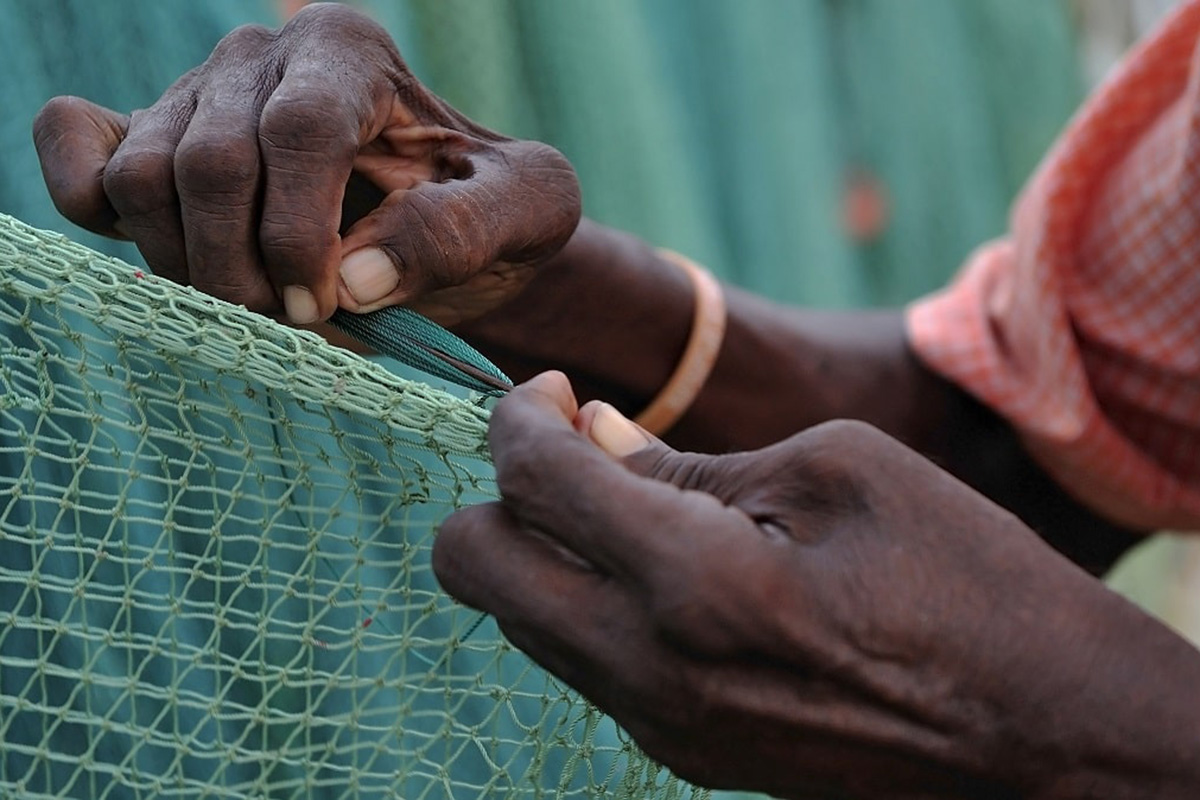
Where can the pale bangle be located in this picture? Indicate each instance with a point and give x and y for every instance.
(708, 331)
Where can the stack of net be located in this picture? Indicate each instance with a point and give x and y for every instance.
(214, 565)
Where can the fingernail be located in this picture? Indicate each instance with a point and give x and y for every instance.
(615, 434)
(369, 275)
(300, 305)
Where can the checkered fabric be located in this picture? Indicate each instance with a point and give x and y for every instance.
(1082, 328)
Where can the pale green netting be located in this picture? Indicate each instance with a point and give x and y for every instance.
(214, 565)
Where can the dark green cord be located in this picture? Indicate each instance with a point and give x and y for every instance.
(419, 342)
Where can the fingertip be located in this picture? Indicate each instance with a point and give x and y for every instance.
(555, 387)
(327, 298)
(300, 305)
(446, 557)
(465, 560)
(74, 140)
(307, 305)
(367, 276)
(541, 406)
(583, 420)
(614, 433)
(548, 378)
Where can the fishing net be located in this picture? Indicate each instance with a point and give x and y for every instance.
(214, 564)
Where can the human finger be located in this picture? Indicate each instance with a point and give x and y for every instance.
(218, 176)
(340, 78)
(560, 482)
(308, 137)
(487, 202)
(139, 181)
(75, 139)
(600, 637)
(571, 619)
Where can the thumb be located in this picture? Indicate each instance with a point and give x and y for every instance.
(612, 432)
(650, 457)
(516, 202)
(75, 140)
(418, 240)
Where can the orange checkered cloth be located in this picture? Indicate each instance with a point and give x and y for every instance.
(1082, 328)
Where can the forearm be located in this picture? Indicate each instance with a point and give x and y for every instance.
(615, 316)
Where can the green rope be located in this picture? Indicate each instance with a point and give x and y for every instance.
(215, 567)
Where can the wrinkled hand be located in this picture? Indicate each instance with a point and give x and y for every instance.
(236, 180)
(832, 616)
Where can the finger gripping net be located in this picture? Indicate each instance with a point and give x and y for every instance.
(214, 565)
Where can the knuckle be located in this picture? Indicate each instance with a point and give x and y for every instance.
(545, 165)
(550, 192)
(729, 477)
(334, 20)
(223, 165)
(244, 40)
(839, 435)
(73, 148)
(307, 124)
(441, 245)
(54, 116)
(432, 242)
(821, 471)
(446, 557)
(140, 181)
(716, 600)
(839, 449)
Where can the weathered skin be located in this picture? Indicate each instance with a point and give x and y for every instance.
(824, 614)
(831, 616)
(234, 180)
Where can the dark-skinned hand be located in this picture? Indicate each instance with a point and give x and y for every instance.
(832, 616)
(236, 181)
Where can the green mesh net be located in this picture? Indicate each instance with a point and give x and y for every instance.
(214, 565)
